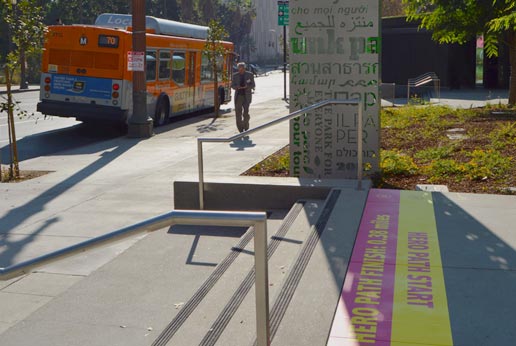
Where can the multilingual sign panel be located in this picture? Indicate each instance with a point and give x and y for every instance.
(334, 54)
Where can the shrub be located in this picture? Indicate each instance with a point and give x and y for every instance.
(394, 162)
(486, 164)
(443, 169)
(436, 153)
(503, 135)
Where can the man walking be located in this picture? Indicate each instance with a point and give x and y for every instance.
(243, 84)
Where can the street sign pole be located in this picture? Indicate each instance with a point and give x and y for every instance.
(283, 18)
(284, 62)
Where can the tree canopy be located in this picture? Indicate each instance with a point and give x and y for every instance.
(461, 21)
(454, 21)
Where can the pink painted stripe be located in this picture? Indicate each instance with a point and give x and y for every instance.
(377, 281)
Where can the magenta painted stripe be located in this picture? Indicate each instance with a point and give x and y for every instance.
(369, 287)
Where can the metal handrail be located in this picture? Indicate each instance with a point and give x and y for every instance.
(257, 220)
(290, 116)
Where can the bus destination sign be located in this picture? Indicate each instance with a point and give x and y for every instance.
(108, 41)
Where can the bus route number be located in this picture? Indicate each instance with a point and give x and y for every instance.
(108, 41)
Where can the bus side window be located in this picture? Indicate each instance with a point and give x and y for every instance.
(164, 64)
(151, 66)
(206, 69)
(178, 68)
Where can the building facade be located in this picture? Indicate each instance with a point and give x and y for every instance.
(267, 34)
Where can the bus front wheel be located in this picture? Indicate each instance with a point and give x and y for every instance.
(162, 113)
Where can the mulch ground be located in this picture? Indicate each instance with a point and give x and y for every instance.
(24, 175)
(390, 139)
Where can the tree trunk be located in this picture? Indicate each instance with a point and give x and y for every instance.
(14, 167)
(23, 69)
(216, 102)
(512, 56)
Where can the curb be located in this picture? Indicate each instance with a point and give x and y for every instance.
(18, 91)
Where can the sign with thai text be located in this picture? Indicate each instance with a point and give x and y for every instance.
(334, 54)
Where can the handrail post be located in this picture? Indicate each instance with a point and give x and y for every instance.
(200, 167)
(360, 153)
(261, 284)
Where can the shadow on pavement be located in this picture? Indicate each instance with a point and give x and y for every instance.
(242, 143)
(51, 142)
(480, 277)
(205, 231)
(16, 216)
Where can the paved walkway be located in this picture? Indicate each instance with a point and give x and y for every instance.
(467, 242)
(430, 269)
(100, 187)
(470, 98)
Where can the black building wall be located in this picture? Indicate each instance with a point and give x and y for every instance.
(408, 52)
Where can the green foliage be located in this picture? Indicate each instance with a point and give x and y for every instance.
(403, 117)
(26, 28)
(436, 153)
(214, 48)
(461, 21)
(504, 135)
(85, 12)
(442, 169)
(215, 52)
(487, 164)
(274, 164)
(395, 162)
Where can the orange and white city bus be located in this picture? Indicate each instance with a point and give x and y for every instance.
(86, 74)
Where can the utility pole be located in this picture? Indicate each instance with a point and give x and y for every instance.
(140, 125)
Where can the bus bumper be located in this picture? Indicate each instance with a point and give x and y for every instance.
(82, 112)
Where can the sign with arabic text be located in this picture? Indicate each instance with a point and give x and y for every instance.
(334, 54)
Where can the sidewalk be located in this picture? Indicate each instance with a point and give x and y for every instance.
(101, 187)
(468, 98)
(98, 188)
